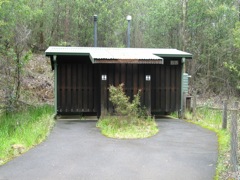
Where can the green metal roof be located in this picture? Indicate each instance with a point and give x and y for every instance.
(102, 53)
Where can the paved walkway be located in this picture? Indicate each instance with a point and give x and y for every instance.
(76, 150)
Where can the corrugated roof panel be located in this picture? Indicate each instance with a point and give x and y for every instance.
(122, 53)
(129, 61)
(55, 50)
(118, 53)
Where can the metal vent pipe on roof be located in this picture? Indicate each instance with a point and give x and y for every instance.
(129, 18)
(95, 17)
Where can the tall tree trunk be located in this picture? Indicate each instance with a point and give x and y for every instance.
(184, 23)
(66, 37)
(17, 83)
(238, 10)
(41, 35)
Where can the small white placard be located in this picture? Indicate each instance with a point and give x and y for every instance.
(148, 77)
(104, 77)
(174, 62)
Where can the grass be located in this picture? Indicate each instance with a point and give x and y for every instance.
(23, 130)
(212, 120)
(119, 127)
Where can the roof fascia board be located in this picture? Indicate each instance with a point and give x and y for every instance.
(188, 56)
(70, 54)
(91, 58)
(66, 54)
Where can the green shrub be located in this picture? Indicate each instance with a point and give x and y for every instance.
(121, 102)
(130, 121)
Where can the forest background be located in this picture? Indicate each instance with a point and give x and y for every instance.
(210, 30)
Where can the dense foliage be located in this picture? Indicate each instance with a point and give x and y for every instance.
(207, 29)
(122, 104)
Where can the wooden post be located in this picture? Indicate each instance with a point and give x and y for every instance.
(55, 86)
(224, 116)
(103, 95)
(184, 104)
(188, 103)
(234, 139)
(194, 106)
(148, 93)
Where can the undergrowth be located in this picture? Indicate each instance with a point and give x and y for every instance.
(118, 127)
(21, 131)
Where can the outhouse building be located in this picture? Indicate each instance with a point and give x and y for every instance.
(83, 75)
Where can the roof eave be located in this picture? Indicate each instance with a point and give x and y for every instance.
(187, 56)
(65, 54)
(69, 54)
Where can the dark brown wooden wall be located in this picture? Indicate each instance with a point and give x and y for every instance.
(79, 84)
(165, 83)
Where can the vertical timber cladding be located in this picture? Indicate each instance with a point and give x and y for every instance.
(77, 85)
(166, 86)
(131, 75)
(165, 83)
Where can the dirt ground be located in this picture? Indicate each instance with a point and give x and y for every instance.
(37, 81)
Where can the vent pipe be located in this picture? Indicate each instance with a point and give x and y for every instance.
(95, 30)
(129, 18)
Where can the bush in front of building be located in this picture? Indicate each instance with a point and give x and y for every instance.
(130, 120)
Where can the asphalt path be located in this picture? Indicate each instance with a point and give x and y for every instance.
(76, 150)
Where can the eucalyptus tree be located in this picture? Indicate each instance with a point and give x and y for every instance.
(15, 33)
(210, 26)
(163, 24)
